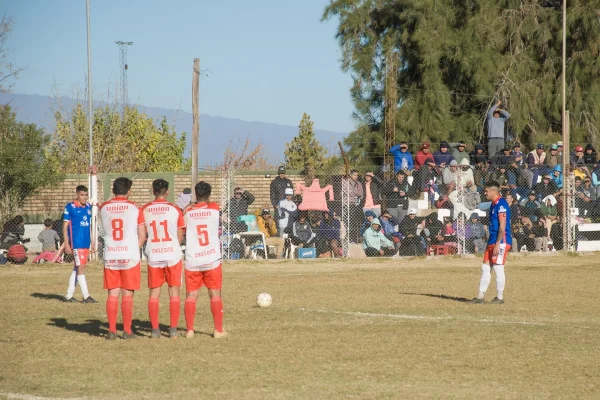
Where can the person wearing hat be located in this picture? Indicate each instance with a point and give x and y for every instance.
(375, 244)
(586, 197)
(277, 189)
(287, 210)
(476, 234)
(403, 160)
(530, 205)
(560, 146)
(423, 156)
(443, 156)
(449, 177)
(238, 206)
(517, 153)
(589, 156)
(576, 157)
(536, 162)
(552, 159)
(302, 232)
(396, 193)
(546, 187)
(478, 155)
(458, 151)
(496, 119)
(266, 224)
(410, 245)
(557, 176)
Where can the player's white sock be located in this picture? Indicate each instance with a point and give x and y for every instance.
(83, 286)
(500, 280)
(72, 282)
(486, 277)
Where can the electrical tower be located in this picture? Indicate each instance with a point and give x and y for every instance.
(123, 65)
(391, 106)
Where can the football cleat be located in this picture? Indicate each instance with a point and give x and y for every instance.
(497, 301)
(189, 334)
(477, 300)
(173, 334)
(155, 334)
(220, 335)
(127, 336)
(89, 300)
(71, 300)
(111, 336)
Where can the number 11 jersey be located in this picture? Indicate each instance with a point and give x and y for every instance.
(162, 220)
(203, 247)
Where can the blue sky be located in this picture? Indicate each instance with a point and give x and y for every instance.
(270, 60)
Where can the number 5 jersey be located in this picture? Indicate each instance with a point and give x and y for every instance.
(203, 247)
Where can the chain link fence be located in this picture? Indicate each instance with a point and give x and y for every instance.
(429, 210)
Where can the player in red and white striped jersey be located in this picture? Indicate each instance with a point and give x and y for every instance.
(165, 226)
(203, 259)
(124, 235)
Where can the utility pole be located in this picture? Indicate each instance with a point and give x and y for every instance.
(93, 180)
(196, 121)
(565, 137)
(123, 46)
(391, 107)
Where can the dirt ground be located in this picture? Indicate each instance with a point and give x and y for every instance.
(364, 329)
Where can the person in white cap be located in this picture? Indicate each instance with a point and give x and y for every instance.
(287, 210)
(410, 245)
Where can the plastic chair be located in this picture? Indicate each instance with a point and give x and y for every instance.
(250, 221)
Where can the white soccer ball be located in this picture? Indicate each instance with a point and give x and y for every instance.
(264, 300)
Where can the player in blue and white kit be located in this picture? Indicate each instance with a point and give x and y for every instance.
(499, 244)
(76, 234)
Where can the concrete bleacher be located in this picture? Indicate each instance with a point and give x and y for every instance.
(589, 237)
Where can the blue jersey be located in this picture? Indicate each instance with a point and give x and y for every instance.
(498, 210)
(79, 218)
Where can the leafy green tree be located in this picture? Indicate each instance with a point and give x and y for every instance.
(25, 166)
(305, 152)
(127, 141)
(455, 58)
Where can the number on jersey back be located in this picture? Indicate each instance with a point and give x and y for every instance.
(203, 247)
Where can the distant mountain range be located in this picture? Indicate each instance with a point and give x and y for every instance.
(216, 133)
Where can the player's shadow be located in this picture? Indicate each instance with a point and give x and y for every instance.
(48, 296)
(440, 296)
(93, 327)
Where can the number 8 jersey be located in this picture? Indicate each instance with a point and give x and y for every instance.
(120, 219)
(203, 247)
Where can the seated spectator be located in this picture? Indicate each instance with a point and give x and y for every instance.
(423, 155)
(529, 205)
(540, 234)
(372, 193)
(388, 227)
(523, 232)
(576, 157)
(302, 233)
(449, 177)
(237, 207)
(266, 224)
(553, 158)
(557, 176)
(369, 217)
(536, 161)
(480, 173)
(375, 244)
(478, 155)
(17, 254)
(403, 160)
(433, 231)
(287, 210)
(518, 154)
(549, 211)
(459, 152)
(502, 156)
(516, 182)
(48, 237)
(411, 242)
(595, 179)
(12, 233)
(590, 157)
(556, 234)
(449, 230)
(476, 234)
(328, 231)
(443, 157)
(515, 209)
(586, 197)
(546, 187)
(396, 193)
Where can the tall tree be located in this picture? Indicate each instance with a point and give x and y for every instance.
(123, 142)
(25, 166)
(457, 57)
(305, 152)
(8, 71)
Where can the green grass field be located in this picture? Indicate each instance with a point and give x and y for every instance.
(337, 329)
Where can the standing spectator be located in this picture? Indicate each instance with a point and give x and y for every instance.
(277, 189)
(375, 244)
(423, 155)
(496, 120)
(549, 211)
(478, 155)
(403, 160)
(237, 207)
(476, 234)
(328, 236)
(515, 209)
(287, 210)
(397, 196)
(184, 199)
(443, 157)
(266, 224)
(12, 233)
(556, 234)
(49, 237)
(553, 158)
(411, 243)
(459, 152)
(529, 205)
(372, 194)
(302, 233)
(595, 179)
(356, 195)
(590, 157)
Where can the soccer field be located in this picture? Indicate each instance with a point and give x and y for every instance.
(337, 329)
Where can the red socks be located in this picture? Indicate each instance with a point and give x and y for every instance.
(174, 310)
(190, 312)
(127, 312)
(216, 306)
(153, 311)
(112, 308)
